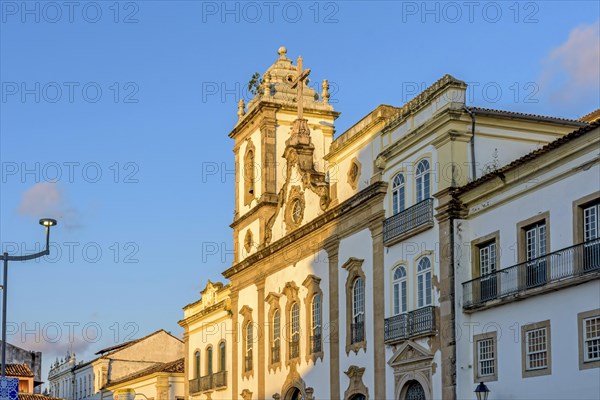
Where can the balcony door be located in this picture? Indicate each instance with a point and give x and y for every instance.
(535, 241)
(487, 271)
(591, 247)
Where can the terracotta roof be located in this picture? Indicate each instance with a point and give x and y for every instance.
(176, 366)
(19, 370)
(534, 154)
(591, 117)
(515, 114)
(31, 396)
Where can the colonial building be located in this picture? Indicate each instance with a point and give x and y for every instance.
(340, 286)
(528, 294)
(119, 364)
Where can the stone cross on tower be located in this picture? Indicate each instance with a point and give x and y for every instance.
(298, 84)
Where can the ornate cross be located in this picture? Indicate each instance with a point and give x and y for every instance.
(298, 84)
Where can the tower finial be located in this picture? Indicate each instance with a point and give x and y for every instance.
(241, 112)
(325, 92)
(282, 53)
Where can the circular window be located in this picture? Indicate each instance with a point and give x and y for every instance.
(297, 211)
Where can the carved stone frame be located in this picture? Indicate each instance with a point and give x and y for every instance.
(411, 362)
(246, 313)
(356, 384)
(248, 241)
(354, 268)
(290, 291)
(273, 300)
(312, 283)
(296, 194)
(353, 181)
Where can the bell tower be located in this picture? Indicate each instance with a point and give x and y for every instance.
(282, 134)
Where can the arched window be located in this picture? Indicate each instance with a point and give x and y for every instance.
(316, 324)
(222, 359)
(399, 290)
(209, 360)
(295, 331)
(398, 194)
(358, 311)
(249, 344)
(275, 351)
(422, 176)
(197, 364)
(424, 282)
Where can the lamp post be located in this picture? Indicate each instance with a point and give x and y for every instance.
(482, 391)
(48, 223)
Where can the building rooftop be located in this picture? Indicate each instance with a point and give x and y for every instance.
(176, 366)
(19, 370)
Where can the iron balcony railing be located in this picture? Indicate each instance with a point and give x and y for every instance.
(248, 363)
(275, 354)
(561, 265)
(316, 344)
(410, 324)
(194, 385)
(407, 220)
(213, 381)
(357, 331)
(294, 349)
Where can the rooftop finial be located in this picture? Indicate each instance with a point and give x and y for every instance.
(282, 53)
(325, 92)
(241, 112)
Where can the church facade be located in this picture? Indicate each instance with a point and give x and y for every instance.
(343, 284)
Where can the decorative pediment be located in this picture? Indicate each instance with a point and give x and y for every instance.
(209, 294)
(356, 385)
(290, 290)
(409, 352)
(352, 264)
(246, 312)
(272, 299)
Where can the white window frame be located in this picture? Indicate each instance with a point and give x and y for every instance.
(535, 240)
(316, 322)
(489, 346)
(424, 284)
(540, 333)
(487, 258)
(295, 322)
(358, 301)
(398, 194)
(399, 291)
(591, 222)
(423, 180)
(587, 339)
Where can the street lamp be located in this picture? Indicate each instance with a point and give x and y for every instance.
(48, 223)
(482, 391)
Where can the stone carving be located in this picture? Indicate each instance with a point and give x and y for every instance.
(356, 385)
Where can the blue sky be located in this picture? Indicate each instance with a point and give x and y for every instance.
(114, 116)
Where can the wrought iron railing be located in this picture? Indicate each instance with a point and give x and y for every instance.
(294, 349)
(248, 363)
(405, 221)
(316, 344)
(407, 325)
(194, 385)
(213, 381)
(357, 332)
(561, 265)
(275, 354)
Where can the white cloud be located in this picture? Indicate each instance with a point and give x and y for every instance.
(46, 199)
(572, 70)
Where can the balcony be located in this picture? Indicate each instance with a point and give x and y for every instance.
(357, 332)
(195, 385)
(411, 324)
(215, 381)
(552, 271)
(409, 222)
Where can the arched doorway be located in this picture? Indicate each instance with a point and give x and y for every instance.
(294, 394)
(358, 397)
(414, 391)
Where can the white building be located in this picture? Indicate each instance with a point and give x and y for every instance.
(71, 380)
(527, 269)
(342, 285)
